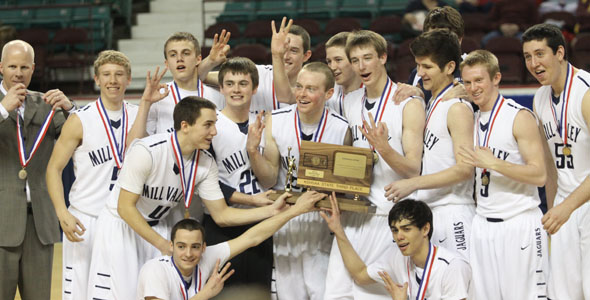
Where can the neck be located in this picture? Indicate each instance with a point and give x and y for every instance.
(111, 104)
(354, 84)
(437, 90)
(186, 148)
(375, 90)
(236, 114)
(185, 273)
(420, 258)
(311, 118)
(490, 103)
(293, 78)
(559, 84)
(189, 84)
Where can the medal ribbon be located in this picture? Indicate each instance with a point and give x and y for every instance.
(176, 92)
(118, 149)
(491, 120)
(22, 153)
(434, 104)
(185, 285)
(565, 97)
(425, 274)
(188, 186)
(319, 133)
(380, 107)
(341, 99)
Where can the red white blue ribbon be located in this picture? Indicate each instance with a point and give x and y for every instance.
(380, 107)
(175, 91)
(185, 285)
(188, 184)
(341, 99)
(22, 153)
(565, 97)
(432, 249)
(319, 133)
(117, 147)
(491, 122)
(432, 106)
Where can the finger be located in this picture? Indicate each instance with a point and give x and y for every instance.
(289, 26)
(225, 268)
(283, 21)
(372, 120)
(230, 273)
(273, 28)
(334, 202)
(215, 39)
(80, 225)
(148, 77)
(226, 36)
(324, 215)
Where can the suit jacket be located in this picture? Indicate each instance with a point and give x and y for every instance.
(13, 199)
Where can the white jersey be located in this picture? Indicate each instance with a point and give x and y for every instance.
(355, 109)
(574, 168)
(503, 197)
(160, 278)
(265, 98)
(439, 155)
(336, 102)
(449, 278)
(229, 150)
(160, 117)
(94, 163)
(151, 171)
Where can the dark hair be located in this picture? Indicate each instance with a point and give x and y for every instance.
(441, 45)
(187, 224)
(239, 65)
(300, 31)
(183, 36)
(366, 38)
(417, 212)
(551, 33)
(445, 17)
(189, 110)
(322, 68)
(338, 40)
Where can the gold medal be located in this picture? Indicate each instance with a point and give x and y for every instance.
(567, 151)
(375, 157)
(22, 174)
(485, 180)
(187, 214)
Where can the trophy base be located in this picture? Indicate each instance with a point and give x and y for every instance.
(345, 204)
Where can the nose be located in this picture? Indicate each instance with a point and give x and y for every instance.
(213, 130)
(420, 71)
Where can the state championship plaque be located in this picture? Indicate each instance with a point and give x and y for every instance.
(342, 169)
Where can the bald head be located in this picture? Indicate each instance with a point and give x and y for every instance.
(17, 64)
(18, 46)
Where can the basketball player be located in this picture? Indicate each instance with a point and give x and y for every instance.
(238, 79)
(394, 132)
(426, 271)
(301, 247)
(445, 184)
(563, 107)
(506, 236)
(346, 79)
(160, 171)
(183, 274)
(94, 137)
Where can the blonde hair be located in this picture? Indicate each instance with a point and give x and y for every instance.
(112, 57)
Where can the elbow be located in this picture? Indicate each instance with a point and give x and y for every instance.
(540, 180)
(221, 221)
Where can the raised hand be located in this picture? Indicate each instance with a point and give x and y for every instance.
(280, 40)
(151, 93)
(57, 99)
(15, 96)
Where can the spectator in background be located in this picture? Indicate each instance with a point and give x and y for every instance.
(510, 18)
(415, 14)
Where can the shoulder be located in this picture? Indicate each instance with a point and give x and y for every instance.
(337, 117)
(284, 110)
(158, 264)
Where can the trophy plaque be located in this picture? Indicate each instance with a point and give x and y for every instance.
(326, 168)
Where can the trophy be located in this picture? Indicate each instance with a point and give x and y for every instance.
(327, 168)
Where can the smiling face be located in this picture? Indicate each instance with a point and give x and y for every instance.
(433, 78)
(482, 89)
(182, 60)
(187, 250)
(339, 64)
(17, 65)
(112, 79)
(295, 56)
(542, 63)
(310, 92)
(237, 89)
(367, 64)
(410, 239)
(201, 133)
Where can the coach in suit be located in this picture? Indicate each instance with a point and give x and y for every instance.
(28, 224)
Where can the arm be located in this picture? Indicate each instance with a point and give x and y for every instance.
(347, 138)
(265, 229)
(396, 291)
(529, 145)
(217, 55)
(151, 95)
(225, 216)
(354, 264)
(260, 199)
(265, 166)
(559, 214)
(405, 91)
(68, 141)
(460, 126)
(278, 46)
(551, 180)
(57, 99)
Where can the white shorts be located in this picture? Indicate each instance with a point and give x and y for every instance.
(76, 258)
(509, 258)
(452, 227)
(117, 256)
(570, 257)
(369, 235)
(302, 276)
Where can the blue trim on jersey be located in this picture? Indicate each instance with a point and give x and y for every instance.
(337, 116)
(584, 81)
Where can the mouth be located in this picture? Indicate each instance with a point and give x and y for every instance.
(303, 102)
(237, 97)
(365, 76)
(180, 68)
(403, 246)
(113, 88)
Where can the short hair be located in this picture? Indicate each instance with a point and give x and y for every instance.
(365, 38)
(239, 65)
(551, 33)
(441, 45)
(338, 40)
(187, 224)
(417, 212)
(189, 110)
(112, 57)
(300, 31)
(445, 17)
(322, 68)
(183, 36)
(484, 58)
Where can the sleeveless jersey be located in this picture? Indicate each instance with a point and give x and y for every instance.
(503, 197)
(265, 97)
(162, 189)
(383, 174)
(229, 146)
(336, 102)
(439, 155)
(94, 163)
(574, 168)
(160, 116)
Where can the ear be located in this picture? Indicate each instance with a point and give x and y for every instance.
(199, 59)
(306, 55)
(204, 246)
(96, 80)
(425, 230)
(383, 58)
(497, 78)
(450, 68)
(329, 94)
(171, 246)
(560, 52)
